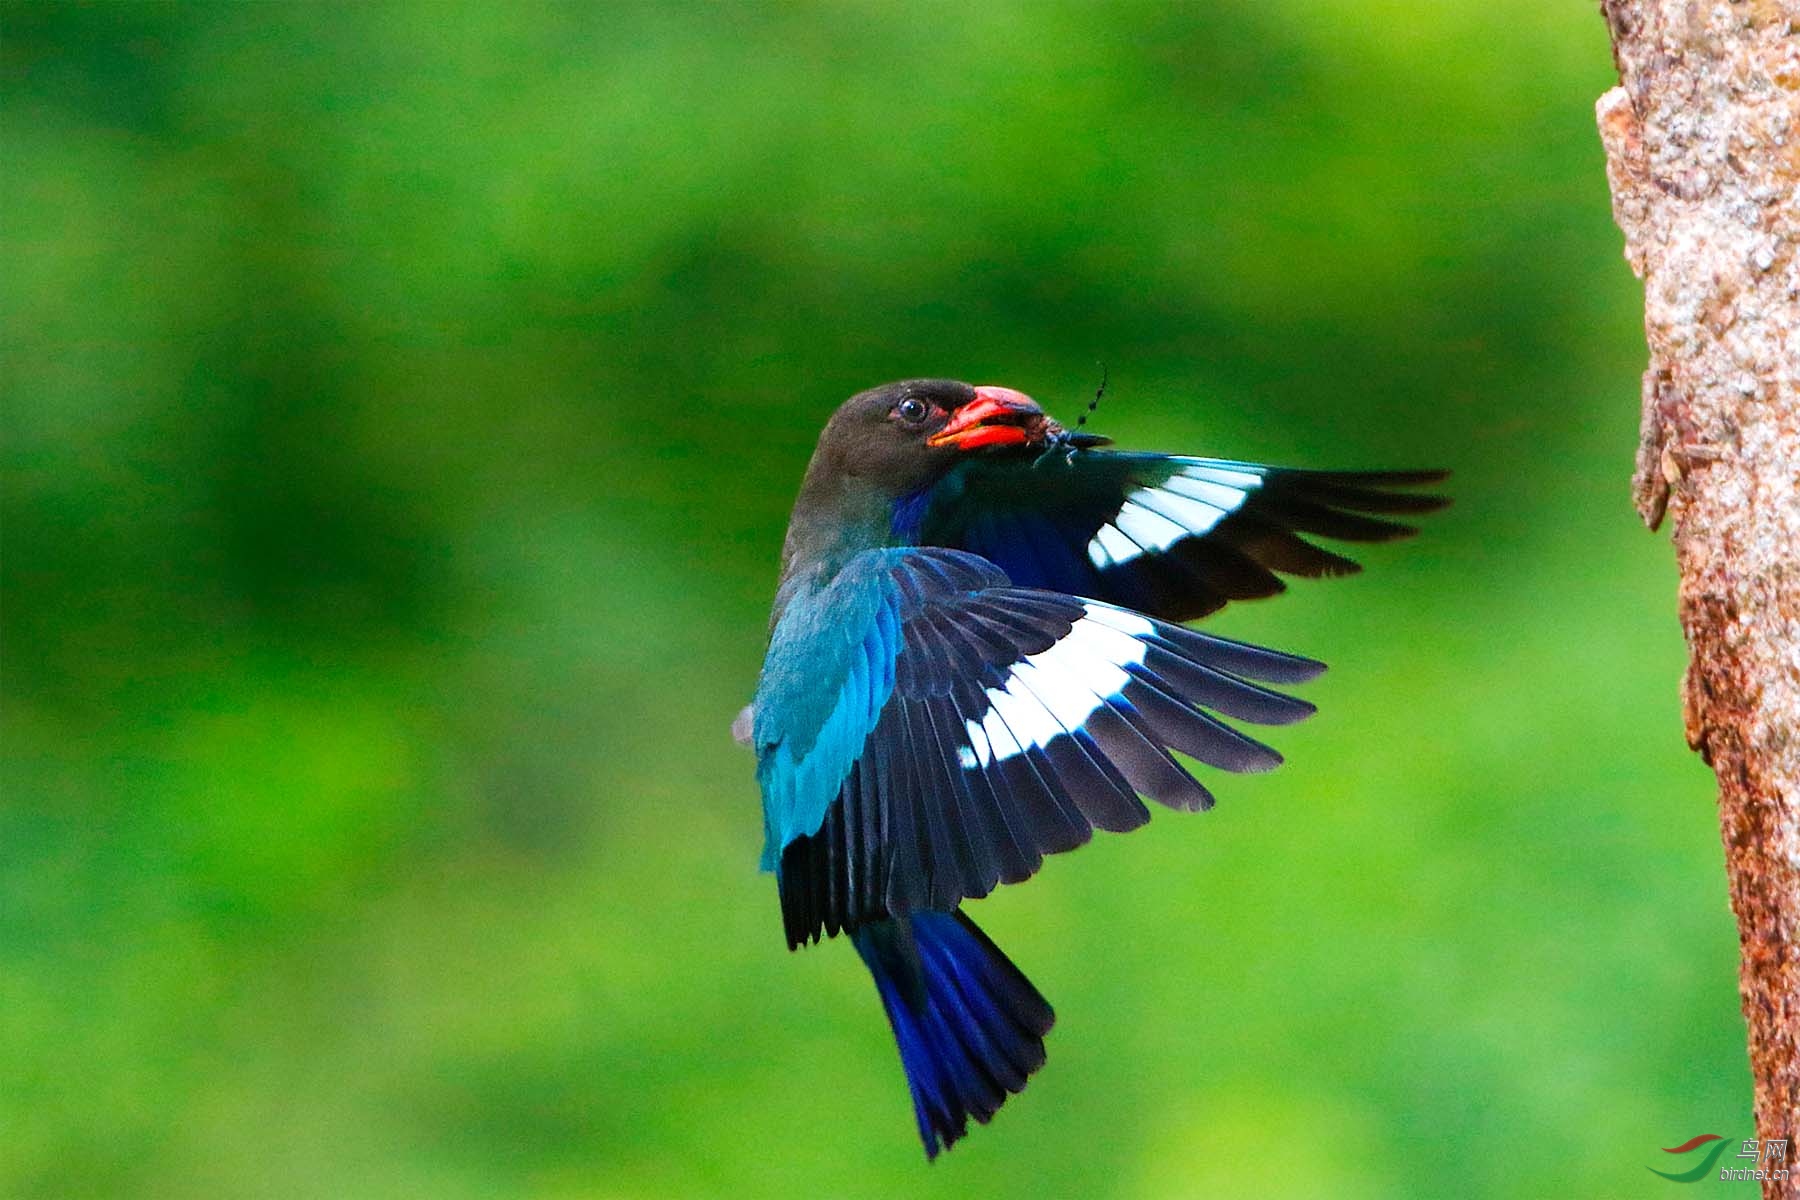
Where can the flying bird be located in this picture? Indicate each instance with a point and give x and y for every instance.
(976, 659)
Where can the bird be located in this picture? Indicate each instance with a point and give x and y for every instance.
(977, 656)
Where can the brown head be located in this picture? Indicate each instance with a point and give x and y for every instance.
(901, 436)
(892, 442)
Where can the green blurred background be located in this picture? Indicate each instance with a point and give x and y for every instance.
(402, 408)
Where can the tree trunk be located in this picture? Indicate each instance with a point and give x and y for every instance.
(1702, 141)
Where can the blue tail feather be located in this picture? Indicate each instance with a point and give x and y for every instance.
(970, 1026)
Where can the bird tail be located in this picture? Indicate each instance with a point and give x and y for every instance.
(970, 1025)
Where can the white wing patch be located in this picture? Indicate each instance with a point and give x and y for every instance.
(1153, 519)
(1145, 526)
(1109, 546)
(1050, 693)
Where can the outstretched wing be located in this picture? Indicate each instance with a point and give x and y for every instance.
(1012, 722)
(1171, 536)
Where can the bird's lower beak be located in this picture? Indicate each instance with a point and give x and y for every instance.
(997, 416)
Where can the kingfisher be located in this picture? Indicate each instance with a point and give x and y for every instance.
(977, 657)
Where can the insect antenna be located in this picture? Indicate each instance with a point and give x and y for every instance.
(1068, 441)
(1095, 402)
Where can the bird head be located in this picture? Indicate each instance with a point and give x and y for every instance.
(903, 435)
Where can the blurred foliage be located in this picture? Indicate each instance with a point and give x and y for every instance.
(402, 406)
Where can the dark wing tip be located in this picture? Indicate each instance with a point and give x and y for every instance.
(1384, 479)
(1411, 478)
(1352, 506)
(1293, 711)
(1374, 487)
(1261, 764)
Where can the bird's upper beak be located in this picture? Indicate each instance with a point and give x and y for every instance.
(997, 416)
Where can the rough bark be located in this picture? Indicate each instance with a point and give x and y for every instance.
(1702, 140)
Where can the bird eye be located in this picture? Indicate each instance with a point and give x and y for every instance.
(912, 410)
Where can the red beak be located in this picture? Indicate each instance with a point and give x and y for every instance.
(997, 416)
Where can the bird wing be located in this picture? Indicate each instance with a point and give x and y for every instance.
(998, 724)
(1167, 535)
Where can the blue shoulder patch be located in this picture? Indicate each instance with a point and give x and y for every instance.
(828, 674)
